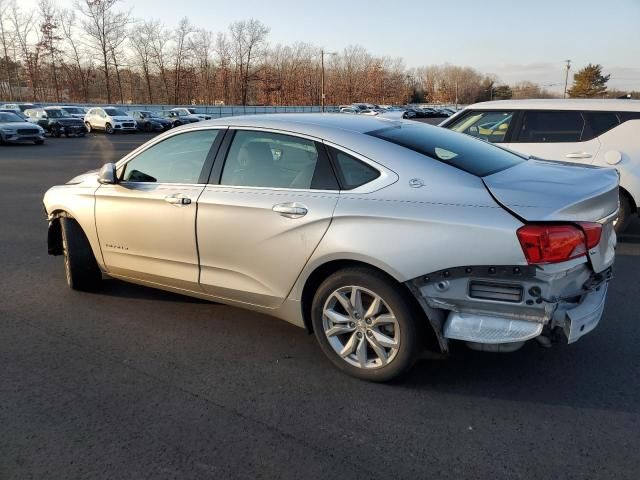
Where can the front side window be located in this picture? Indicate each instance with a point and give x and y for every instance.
(490, 126)
(552, 127)
(264, 159)
(178, 159)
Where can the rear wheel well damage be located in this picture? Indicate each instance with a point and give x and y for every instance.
(432, 337)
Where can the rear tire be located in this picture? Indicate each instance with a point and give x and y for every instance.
(80, 266)
(372, 343)
(624, 214)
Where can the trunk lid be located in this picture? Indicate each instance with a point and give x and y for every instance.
(542, 190)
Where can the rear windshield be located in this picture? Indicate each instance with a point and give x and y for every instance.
(458, 150)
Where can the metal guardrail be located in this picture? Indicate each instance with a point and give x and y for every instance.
(216, 111)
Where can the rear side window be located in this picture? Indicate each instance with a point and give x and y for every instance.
(461, 151)
(624, 116)
(551, 127)
(352, 172)
(601, 122)
(274, 160)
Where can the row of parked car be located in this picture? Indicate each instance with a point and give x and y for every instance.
(409, 111)
(27, 122)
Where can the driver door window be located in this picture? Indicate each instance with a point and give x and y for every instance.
(491, 126)
(178, 159)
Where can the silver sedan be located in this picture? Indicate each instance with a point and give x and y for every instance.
(385, 238)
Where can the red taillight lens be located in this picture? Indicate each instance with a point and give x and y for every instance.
(593, 232)
(551, 243)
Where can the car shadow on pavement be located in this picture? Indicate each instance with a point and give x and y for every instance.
(117, 288)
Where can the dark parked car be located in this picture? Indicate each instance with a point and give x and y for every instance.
(57, 121)
(150, 121)
(176, 119)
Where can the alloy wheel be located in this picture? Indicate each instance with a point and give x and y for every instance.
(360, 327)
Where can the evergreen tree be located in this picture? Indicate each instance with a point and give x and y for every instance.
(589, 82)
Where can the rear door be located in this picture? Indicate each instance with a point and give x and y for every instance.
(562, 135)
(269, 203)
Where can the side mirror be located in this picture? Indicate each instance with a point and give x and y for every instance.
(108, 174)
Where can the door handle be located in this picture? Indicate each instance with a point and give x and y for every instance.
(578, 155)
(290, 210)
(178, 200)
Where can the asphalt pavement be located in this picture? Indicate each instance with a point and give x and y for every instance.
(133, 383)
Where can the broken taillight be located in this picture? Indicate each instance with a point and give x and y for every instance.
(557, 243)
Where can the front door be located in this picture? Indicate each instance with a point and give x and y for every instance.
(146, 222)
(258, 227)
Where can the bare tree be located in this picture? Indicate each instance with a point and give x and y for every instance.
(79, 66)
(181, 35)
(7, 43)
(158, 46)
(201, 46)
(142, 48)
(102, 25)
(248, 38)
(24, 29)
(50, 39)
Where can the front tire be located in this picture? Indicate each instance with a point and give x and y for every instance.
(88, 125)
(109, 129)
(80, 266)
(39, 142)
(365, 324)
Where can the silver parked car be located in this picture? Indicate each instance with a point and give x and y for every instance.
(14, 129)
(383, 237)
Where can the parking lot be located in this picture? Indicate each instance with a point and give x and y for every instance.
(137, 383)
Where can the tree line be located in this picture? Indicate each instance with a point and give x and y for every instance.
(99, 53)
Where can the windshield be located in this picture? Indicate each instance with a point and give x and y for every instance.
(191, 110)
(56, 113)
(114, 112)
(6, 117)
(461, 151)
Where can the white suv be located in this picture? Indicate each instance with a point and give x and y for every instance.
(109, 119)
(593, 132)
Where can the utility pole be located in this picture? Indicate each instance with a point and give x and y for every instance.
(566, 78)
(322, 53)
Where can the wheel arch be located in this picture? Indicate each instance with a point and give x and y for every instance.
(632, 202)
(324, 270)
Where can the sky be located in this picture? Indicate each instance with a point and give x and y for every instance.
(514, 40)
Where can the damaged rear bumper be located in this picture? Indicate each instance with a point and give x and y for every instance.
(499, 308)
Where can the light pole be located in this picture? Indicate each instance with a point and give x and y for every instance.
(322, 54)
(566, 78)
